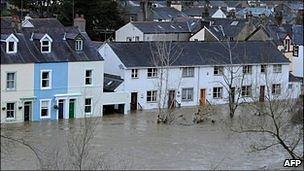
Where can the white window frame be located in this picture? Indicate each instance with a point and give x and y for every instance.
(134, 73)
(186, 90)
(295, 51)
(247, 92)
(14, 110)
(218, 70)
(153, 96)
(129, 39)
(50, 79)
(14, 39)
(136, 38)
(14, 47)
(154, 72)
(48, 107)
(187, 72)
(90, 105)
(263, 67)
(15, 75)
(46, 38)
(276, 89)
(247, 69)
(78, 44)
(277, 68)
(218, 92)
(88, 77)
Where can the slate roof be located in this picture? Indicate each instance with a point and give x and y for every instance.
(197, 11)
(293, 78)
(278, 33)
(139, 54)
(297, 35)
(167, 27)
(61, 50)
(111, 82)
(166, 13)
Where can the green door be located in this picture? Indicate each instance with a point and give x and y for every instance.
(72, 108)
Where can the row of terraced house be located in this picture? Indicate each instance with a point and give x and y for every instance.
(49, 71)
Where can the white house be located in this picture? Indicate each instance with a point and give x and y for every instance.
(297, 60)
(156, 31)
(196, 76)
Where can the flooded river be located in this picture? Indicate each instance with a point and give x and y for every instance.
(142, 144)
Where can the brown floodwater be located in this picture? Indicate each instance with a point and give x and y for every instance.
(139, 143)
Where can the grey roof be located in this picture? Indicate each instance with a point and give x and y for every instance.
(62, 50)
(297, 35)
(166, 13)
(296, 5)
(167, 27)
(278, 33)
(197, 11)
(139, 54)
(111, 82)
(255, 11)
(293, 78)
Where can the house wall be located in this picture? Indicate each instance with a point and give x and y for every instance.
(76, 85)
(59, 86)
(297, 63)
(24, 88)
(203, 35)
(203, 79)
(219, 14)
(129, 30)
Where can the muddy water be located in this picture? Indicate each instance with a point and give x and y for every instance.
(138, 140)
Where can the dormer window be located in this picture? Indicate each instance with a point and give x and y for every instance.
(78, 45)
(11, 43)
(46, 44)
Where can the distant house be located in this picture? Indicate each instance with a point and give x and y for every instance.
(49, 71)
(298, 55)
(195, 77)
(224, 29)
(255, 12)
(157, 31)
(198, 12)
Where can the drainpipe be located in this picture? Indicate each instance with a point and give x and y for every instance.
(198, 83)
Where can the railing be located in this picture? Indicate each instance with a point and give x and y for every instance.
(208, 102)
(178, 104)
(203, 103)
(140, 107)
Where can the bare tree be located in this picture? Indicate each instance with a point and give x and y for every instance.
(164, 55)
(273, 119)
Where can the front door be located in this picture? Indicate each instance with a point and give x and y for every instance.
(134, 101)
(27, 110)
(171, 99)
(203, 97)
(262, 93)
(72, 108)
(60, 108)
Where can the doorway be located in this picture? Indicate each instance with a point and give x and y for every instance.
(72, 108)
(134, 101)
(27, 110)
(171, 99)
(203, 97)
(60, 108)
(262, 94)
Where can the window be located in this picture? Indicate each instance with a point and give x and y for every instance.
(78, 45)
(45, 106)
(12, 47)
(247, 69)
(231, 38)
(218, 70)
(277, 68)
(263, 68)
(11, 81)
(134, 73)
(129, 39)
(46, 79)
(246, 91)
(45, 46)
(295, 52)
(290, 86)
(287, 45)
(152, 72)
(187, 94)
(137, 38)
(151, 96)
(188, 72)
(217, 92)
(276, 89)
(10, 110)
(88, 77)
(88, 106)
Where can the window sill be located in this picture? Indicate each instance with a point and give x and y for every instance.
(10, 119)
(152, 102)
(89, 85)
(45, 117)
(45, 88)
(10, 90)
(188, 76)
(187, 100)
(134, 78)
